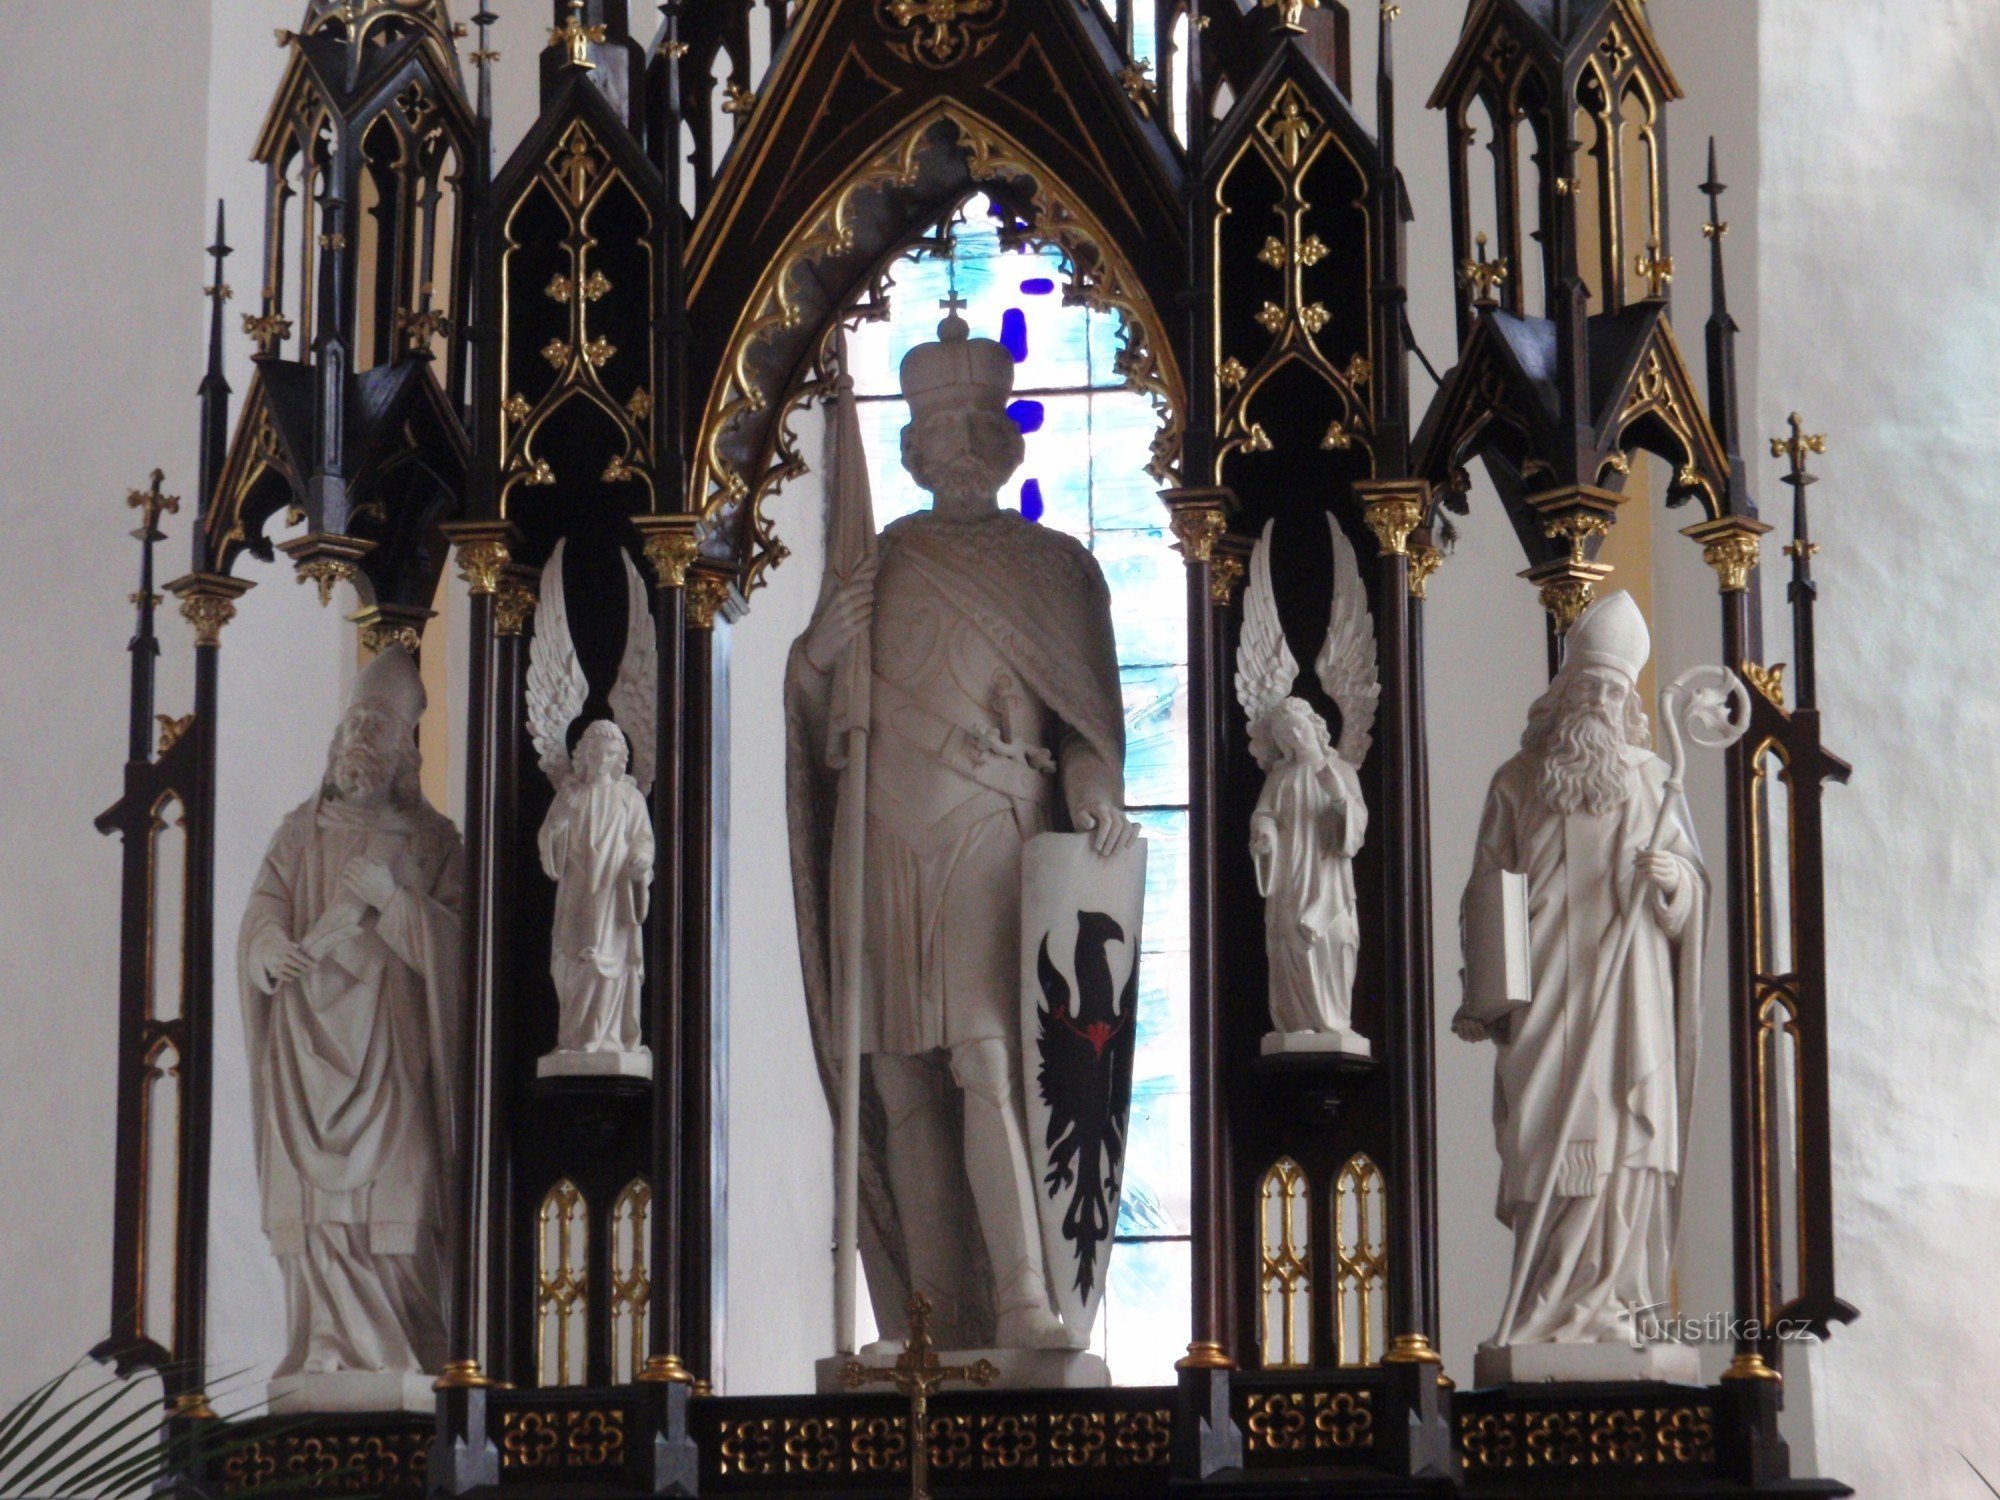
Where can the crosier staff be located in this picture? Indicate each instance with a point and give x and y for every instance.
(1710, 707)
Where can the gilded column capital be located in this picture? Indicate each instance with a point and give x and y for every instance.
(1579, 528)
(1729, 545)
(484, 550)
(1393, 508)
(1567, 586)
(326, 558)
(1425, 559)
(707, 592)
(384, 625)
(514, 600)
(208, 602)
(1226, 568)
(1199, 518)
(670, 546)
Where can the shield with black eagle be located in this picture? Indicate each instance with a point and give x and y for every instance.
(1080, 916)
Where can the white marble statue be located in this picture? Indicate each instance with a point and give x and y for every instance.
(992, 712)
(1310, 818)
(1595, 1074)
(597, 841)
(349, 967)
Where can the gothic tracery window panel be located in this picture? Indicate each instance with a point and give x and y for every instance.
(1284, 1277)
(1089, 441)
(631, 1280)
(1360, 1263)
(562, 1303)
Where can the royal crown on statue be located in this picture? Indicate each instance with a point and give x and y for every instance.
(957, 373)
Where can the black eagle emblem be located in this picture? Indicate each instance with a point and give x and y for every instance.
(1086, 1082)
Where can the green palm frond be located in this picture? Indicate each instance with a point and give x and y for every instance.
(79, 1438)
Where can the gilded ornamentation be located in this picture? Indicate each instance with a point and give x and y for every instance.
(707, 593)
(562, 1284)
(1138, 87)
(1230, 373)
(267, 332)
(1578, 529)
(1015, 1442)
(1621, 1437)
(671, 547)
(618, 470)
(918, 1375)
(1729, 545)
(1271, 317)
(599, 352)
(1225, 572)
(1077, 1440)
(1360, 1254)
(640, 407)
(208, 602)
(1010, 1442)
(1424, 561)
(419, 329)
(1338, 439)
(1312, 250)
(1658, 269)
(575, 37)
(1284, 1277)
(172, 730)
(481, 562)
(1105, 283)
(563, 1438)
(556, 352)
(1770, 681)
(1392, 518)
(1484, 277)
(564, 289)
(1291, 13)
(516, 407)
(329, 1463)
(737, 100)
(940, 30)
(1306, 1421)
(325, 572)
(1198, 528)
(513, 605)
(1274, 255)
(1567, 598)
(1799, 444)
(152, 503)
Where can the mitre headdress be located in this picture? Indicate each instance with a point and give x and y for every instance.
(391, 683)
(957, 373)
(1610, 633)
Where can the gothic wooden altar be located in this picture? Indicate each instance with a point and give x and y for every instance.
(603, 334)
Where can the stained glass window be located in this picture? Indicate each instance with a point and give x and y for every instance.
(1088, 443)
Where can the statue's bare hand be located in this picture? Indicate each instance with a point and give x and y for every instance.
(1662, 872)
(1109, 829)
(292, 962)
(369, 881)
(1469, 1028)
(846, 614)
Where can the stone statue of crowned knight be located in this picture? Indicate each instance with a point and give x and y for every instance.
(354, 1020)
(1310, 819)
(960, 682)
(1599, 1029)
(596, 843)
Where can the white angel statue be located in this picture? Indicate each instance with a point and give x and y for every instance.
(1311, 818)
(597, 841)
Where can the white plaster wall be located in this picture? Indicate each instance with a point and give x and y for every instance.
(1882, 317)
(100, 346)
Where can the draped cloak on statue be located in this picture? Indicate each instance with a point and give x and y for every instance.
(1307, 877)
(593, 836)
(1037, 602)
(1608, 1236)
(353, 1070)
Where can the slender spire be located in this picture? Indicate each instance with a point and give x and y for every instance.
(1724, 402)
(214, 391)
(1799, 446)
(1392, 380)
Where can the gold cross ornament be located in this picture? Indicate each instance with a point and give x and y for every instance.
(918, 1375)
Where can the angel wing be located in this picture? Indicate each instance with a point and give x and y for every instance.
(557, 687)
(1347, 668)
(1265, 666)
(637, 690)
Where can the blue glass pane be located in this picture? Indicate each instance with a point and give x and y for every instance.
(1027, 415)
(1123, 495)
(1158, 1164)
(895, 493)
(1038, 286)
(1144, 1327)
(1058, 336)
(1031, 500)
(1156, 755)
(1059, 459)
(1148, 596)
(1166, 929)
(1014, 333)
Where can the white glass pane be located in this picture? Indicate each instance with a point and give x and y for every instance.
(1146, 1311)
(1148, 584)
(1123, 496)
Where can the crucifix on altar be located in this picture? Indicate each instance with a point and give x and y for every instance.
(919, 1374)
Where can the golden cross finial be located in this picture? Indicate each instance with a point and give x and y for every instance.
(152, 504)
(576, 36)
(1482, 275)
(1658, 269)
(268, 331)
(1799, 445)
(918, 1375)
(1291, 13)
(738, 100)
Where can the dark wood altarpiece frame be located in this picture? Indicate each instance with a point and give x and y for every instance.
(635, 311)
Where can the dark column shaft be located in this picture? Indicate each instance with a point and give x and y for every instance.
(478, 972)
(697, 1227)
(667, 967)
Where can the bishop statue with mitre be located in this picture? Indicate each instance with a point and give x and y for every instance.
(992, 714)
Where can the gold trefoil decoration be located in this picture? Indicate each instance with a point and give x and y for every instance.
(737, 100)
(942, 32)
(562, 288)
(599, 351)
(640, 407)
(1230, 373)
(618, 470)
(516, 407)
(1770, 681)
(1138, 86)
(267, 331)
(173, 730)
